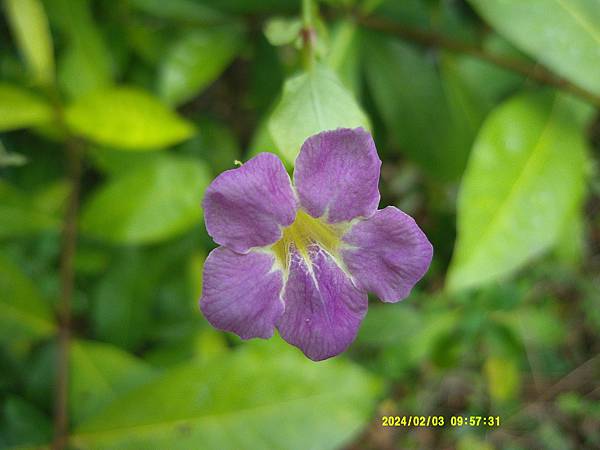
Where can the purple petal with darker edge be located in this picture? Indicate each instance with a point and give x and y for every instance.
(322, 311)
(241, 294)
(337, 172)
(390, 255)
(246, 207)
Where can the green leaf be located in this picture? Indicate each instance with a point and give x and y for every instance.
(282, 30)
(343, 54)
(20, 108)
(262, 141)
(127, 118)
(487, 81)
(432, 116)
(23, 424)
(180, 10)
(116, 162)
(503, 378)
(269, 387)
(20, 214)
(563, 34)
(469, 442)
(196, 60)
(256, 7)
(312, 102)
(153, 202)
(539, 327)
(123, 300)
(100, 373)
(86, 64)
(24, 316)
(217, 145)
(526, 173)
(382, 328)
(30, 26)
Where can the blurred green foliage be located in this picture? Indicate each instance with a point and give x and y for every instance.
(481, 141)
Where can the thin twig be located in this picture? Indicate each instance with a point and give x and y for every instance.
(432, 39)
(67, 282)
(573, 380)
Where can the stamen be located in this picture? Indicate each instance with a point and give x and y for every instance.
(305, 232)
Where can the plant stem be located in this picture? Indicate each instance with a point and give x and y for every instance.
(432, 39)
(307, 13)
(67, 284)
(308, 35)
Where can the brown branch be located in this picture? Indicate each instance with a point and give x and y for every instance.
(67, 283)
(432, 39)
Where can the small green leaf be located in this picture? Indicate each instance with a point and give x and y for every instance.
(21, 109)
(24, 316)
(127, 118)
(563, 34)
(196, 60)
(312, 102)
(30, 27)
(155, 201)
(267, 386)
(525, 175)
(282, 30)
(99, 374)
(503, 378)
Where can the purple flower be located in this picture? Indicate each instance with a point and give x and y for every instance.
(302, 259)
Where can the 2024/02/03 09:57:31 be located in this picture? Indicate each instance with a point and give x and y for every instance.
(440, 421)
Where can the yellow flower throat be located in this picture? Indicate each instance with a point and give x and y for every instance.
(304, 232)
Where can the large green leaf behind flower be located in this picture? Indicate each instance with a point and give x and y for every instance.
(266, 395)
(524, 177)
(312, 102)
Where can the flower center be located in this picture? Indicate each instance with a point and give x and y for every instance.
(305, 232)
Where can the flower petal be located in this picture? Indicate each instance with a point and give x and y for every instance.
(323, 309)
(246, 207)
(389, 254)
(240, 293)
(337, 173)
